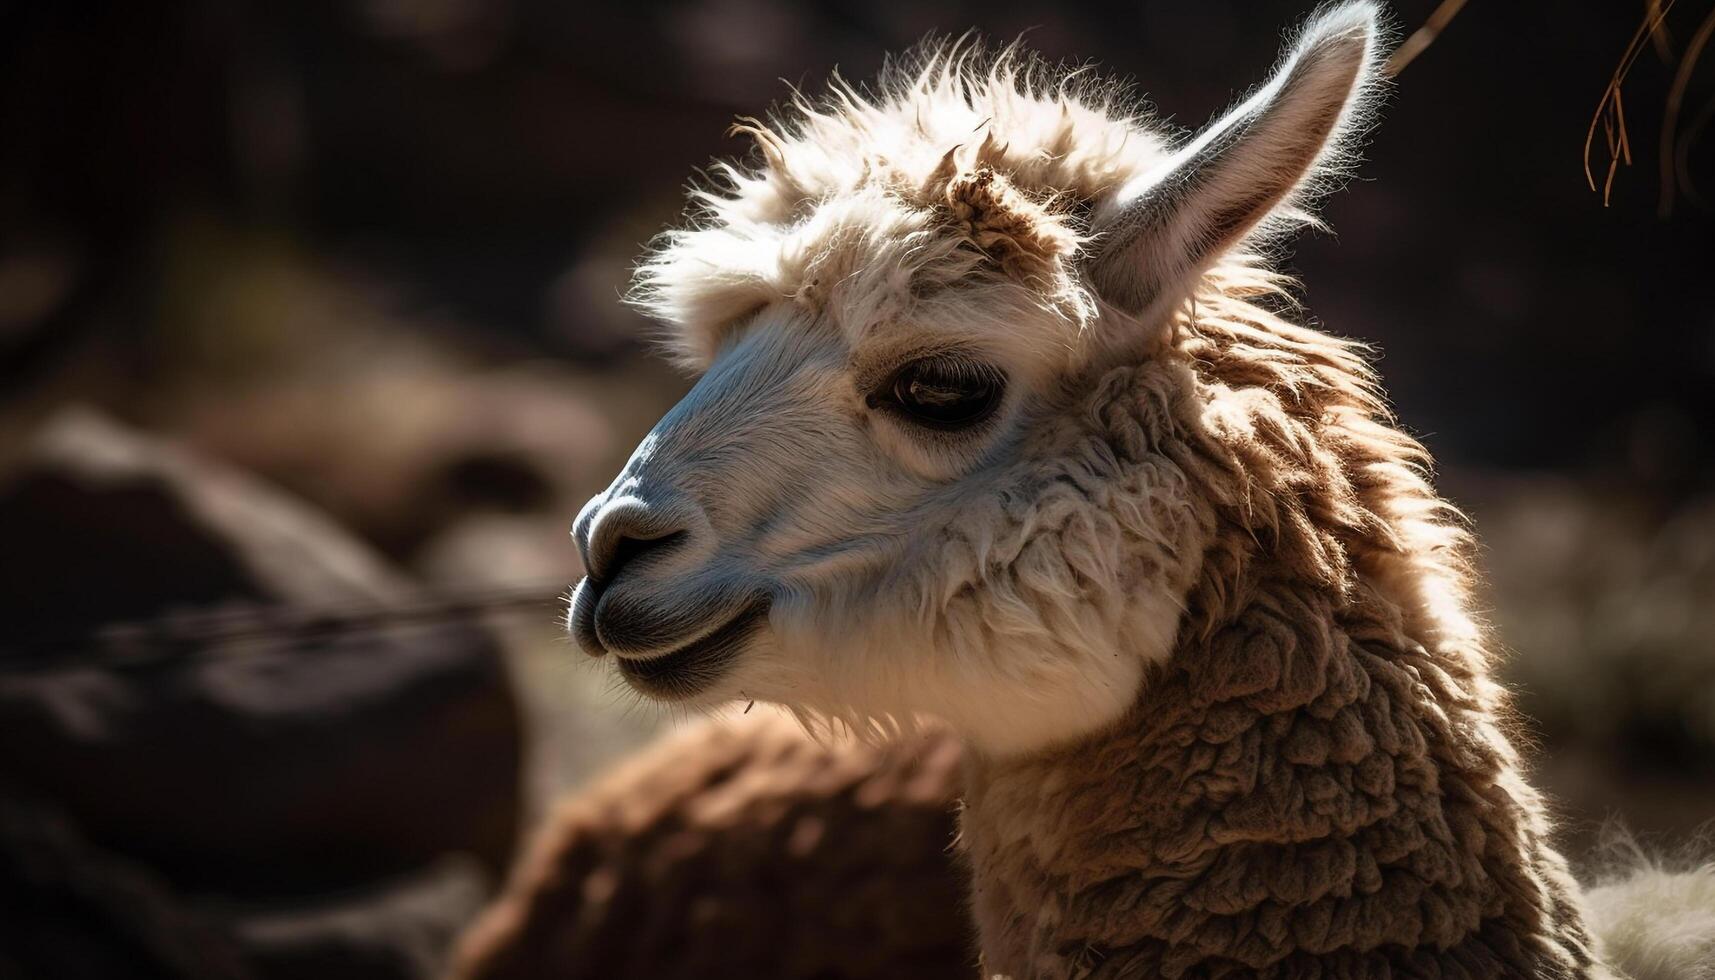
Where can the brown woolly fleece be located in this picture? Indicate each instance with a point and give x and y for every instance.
(1317, 783)
(741, 848)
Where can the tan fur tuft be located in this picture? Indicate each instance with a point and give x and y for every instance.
(1025, 239)
(912, 178)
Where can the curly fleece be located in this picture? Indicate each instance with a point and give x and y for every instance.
(1318, 782)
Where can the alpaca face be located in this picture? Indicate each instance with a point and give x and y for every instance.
(916, 523)
(930, 466)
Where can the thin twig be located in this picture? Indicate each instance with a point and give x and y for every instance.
(1662, 40)
(1670, 117)
(179, 634)
(1610, 113)
(1423, 37)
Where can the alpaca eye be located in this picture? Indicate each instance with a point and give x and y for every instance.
(944, 393)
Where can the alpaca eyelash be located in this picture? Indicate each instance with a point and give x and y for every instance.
(943, 398)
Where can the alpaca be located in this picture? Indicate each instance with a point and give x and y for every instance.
(740, 847)
(1003, 419)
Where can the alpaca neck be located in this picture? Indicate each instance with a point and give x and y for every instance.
(1302, 792)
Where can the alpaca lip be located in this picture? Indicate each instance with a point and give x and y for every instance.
(692, 668)
(580, 618)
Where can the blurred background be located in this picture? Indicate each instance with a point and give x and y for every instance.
(311, 309)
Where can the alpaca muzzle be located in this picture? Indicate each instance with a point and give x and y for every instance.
(653, 599)
(693, 668)
(669, 651)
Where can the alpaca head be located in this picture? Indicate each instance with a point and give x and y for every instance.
(933, 464)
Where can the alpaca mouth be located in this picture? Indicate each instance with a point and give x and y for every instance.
(693, 668)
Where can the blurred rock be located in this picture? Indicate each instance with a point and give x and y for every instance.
(104, 526)
(275, 733)
(400, 928)
(414, 443)
(70, 910)
(282, 763)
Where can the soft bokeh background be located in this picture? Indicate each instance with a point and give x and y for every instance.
(371, 253)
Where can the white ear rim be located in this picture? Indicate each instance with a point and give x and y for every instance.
(1341, 24)
(1257, 165)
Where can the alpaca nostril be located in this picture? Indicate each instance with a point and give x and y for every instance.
(629, 548)
(626, 531)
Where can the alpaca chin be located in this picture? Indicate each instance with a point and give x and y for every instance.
(1004, 695)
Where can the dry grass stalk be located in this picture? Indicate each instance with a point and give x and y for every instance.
(1610, 117)
(1659, 37)
(1611, 112)
(1676, 153)
(1423, 37)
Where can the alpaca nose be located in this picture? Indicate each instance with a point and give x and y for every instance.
(614, 534)
(617, 533)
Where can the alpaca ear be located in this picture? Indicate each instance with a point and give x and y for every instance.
(1163, 229)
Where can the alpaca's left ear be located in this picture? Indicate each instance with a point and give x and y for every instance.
(1163, 229)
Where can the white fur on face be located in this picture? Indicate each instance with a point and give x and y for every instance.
(1015, 582)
